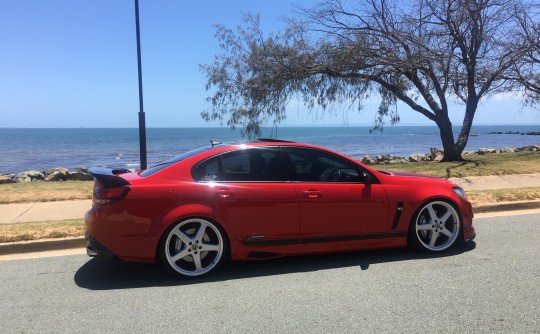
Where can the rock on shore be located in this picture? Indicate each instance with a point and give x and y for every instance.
(436, 154)
(52, 174)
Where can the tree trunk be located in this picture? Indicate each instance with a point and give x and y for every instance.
(447, 139)
(467, 124)
(453, 152)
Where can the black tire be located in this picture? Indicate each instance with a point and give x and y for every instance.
(193, 247)
(435, 227)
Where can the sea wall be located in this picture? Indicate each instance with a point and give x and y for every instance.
(436, 154)
(52, 174)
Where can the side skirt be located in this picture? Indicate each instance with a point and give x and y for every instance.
(314, 240)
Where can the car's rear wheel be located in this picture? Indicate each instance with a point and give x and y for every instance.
(435, 227)
(194, 247)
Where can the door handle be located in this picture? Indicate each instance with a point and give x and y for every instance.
(225, 193)
(312, 193)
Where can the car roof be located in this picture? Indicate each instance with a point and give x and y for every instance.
(219, 147)
(257, 142)
(263, 142)
(269, 142)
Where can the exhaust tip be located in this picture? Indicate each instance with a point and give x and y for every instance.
(91, 251)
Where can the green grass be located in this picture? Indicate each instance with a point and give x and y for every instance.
(475, 165)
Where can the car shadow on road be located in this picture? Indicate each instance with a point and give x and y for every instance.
(102, 274)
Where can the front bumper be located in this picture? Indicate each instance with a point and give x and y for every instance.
(469, 232)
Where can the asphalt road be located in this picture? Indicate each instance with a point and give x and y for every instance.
(487, 286)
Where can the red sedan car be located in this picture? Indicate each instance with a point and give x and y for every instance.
(263, 200)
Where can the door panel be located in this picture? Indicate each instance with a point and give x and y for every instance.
(333, 199)
(341, 209)
(250, 189)
(258, 212)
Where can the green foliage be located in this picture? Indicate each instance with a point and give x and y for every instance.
(257, 77)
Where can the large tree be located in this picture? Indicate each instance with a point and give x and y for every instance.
(425, 53)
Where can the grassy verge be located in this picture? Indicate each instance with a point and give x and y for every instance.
(475, 165)
(45, 191)
(485, 197)
(41, 230)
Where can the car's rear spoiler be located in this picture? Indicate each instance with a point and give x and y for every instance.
(109, 176)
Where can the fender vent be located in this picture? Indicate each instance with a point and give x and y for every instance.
(399, 210)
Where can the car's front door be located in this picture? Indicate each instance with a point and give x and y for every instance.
(250, 189)
(335, 203)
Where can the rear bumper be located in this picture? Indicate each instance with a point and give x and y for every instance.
(96, 248)
(112, 233)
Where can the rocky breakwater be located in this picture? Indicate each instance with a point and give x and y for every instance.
(52, 174)
(436, 154)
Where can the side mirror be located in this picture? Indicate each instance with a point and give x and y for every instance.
(365, 178)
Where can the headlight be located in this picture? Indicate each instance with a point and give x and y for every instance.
(460, 192)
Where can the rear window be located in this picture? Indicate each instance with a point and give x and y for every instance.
(154, 169)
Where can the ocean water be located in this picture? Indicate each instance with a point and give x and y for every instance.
(40, 149)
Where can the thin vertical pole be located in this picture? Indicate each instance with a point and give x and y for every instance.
(142, 117)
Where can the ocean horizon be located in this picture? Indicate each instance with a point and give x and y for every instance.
(25, 149)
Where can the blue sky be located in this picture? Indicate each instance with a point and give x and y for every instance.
(72, 63)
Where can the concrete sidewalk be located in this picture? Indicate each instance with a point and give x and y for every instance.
(27, 212)
(475, 183)
(43, 211)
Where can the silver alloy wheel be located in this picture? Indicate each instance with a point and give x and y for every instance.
(194, 247)
(437, 226)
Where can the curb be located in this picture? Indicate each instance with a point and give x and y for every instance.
(510, 206)
(41, 245)
(80, 242)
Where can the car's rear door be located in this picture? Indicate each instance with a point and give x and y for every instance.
(334, 202)
(250, 189)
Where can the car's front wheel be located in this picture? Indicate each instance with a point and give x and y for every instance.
(435, 227)
(193, 247)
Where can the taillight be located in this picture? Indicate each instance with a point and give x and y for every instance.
(104, 196)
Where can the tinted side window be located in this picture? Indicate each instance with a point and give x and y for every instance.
(236, 166)
(208, 170)
(251, 165)
(311, 165)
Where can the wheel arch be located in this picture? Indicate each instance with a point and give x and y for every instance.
(186, 211)
(447, 199)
